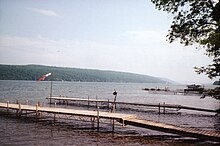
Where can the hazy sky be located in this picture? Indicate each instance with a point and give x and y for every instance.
(120, 35)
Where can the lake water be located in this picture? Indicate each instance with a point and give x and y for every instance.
(26, 131)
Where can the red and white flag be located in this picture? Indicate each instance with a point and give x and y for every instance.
(44, 76)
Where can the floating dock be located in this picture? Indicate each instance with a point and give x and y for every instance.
(125, 119)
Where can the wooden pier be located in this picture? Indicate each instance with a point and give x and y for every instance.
(184, 131)
(160, 106)
(85, 113)
(125, 119)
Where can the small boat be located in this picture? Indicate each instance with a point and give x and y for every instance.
(194, 88)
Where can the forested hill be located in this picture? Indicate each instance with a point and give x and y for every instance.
(33, 72)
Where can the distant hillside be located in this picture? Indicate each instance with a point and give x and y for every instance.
(33, 72)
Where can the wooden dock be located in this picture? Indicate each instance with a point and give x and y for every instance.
(184, 131)
(54, 110)
(125, 119)
(160, 106)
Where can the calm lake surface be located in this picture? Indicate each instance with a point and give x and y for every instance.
(26, 131)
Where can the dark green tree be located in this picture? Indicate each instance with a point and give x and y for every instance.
(196, 22)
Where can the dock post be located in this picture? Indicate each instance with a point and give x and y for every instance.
(26, 102)
(108, 104)
(51, 90)
(26, 110)
(113, 121)
(164, 108)
(88, 102)
(114, 107)
(7, 106)
(92, 122)
(98, 118)
(54, 117)
(66, 102)
(113, 125)
(37, 111)
(19, 110)
(159, 108)
(96, 101)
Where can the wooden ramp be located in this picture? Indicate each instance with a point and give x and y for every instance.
(184, 131)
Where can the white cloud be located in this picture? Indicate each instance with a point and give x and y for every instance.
(45, 12)
(169, 61)
(56, 52)
(146, 36)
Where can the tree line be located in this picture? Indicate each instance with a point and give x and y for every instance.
(33, 72)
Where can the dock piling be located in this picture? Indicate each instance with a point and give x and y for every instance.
(88, 102)
(108, 105)
(54, 119)
(164, 108)
(7, 107)
(113, 125)
(26, 110)
(92, 122)
(98, 118)
(159, 108)
(37, 111)
(96, 102)
(19, 110)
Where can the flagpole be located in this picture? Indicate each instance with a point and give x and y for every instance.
(51, 90)
(42, 79)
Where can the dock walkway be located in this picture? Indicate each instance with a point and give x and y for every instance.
(160, 105)
(87, 113)
(125, 119)
(168, 128)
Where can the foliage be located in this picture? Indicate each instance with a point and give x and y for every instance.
(33, 72)
(214, 93)
(196, 22)
(216, 83)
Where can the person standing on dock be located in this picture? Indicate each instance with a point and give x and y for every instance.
(115, 94)
(113, 105)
